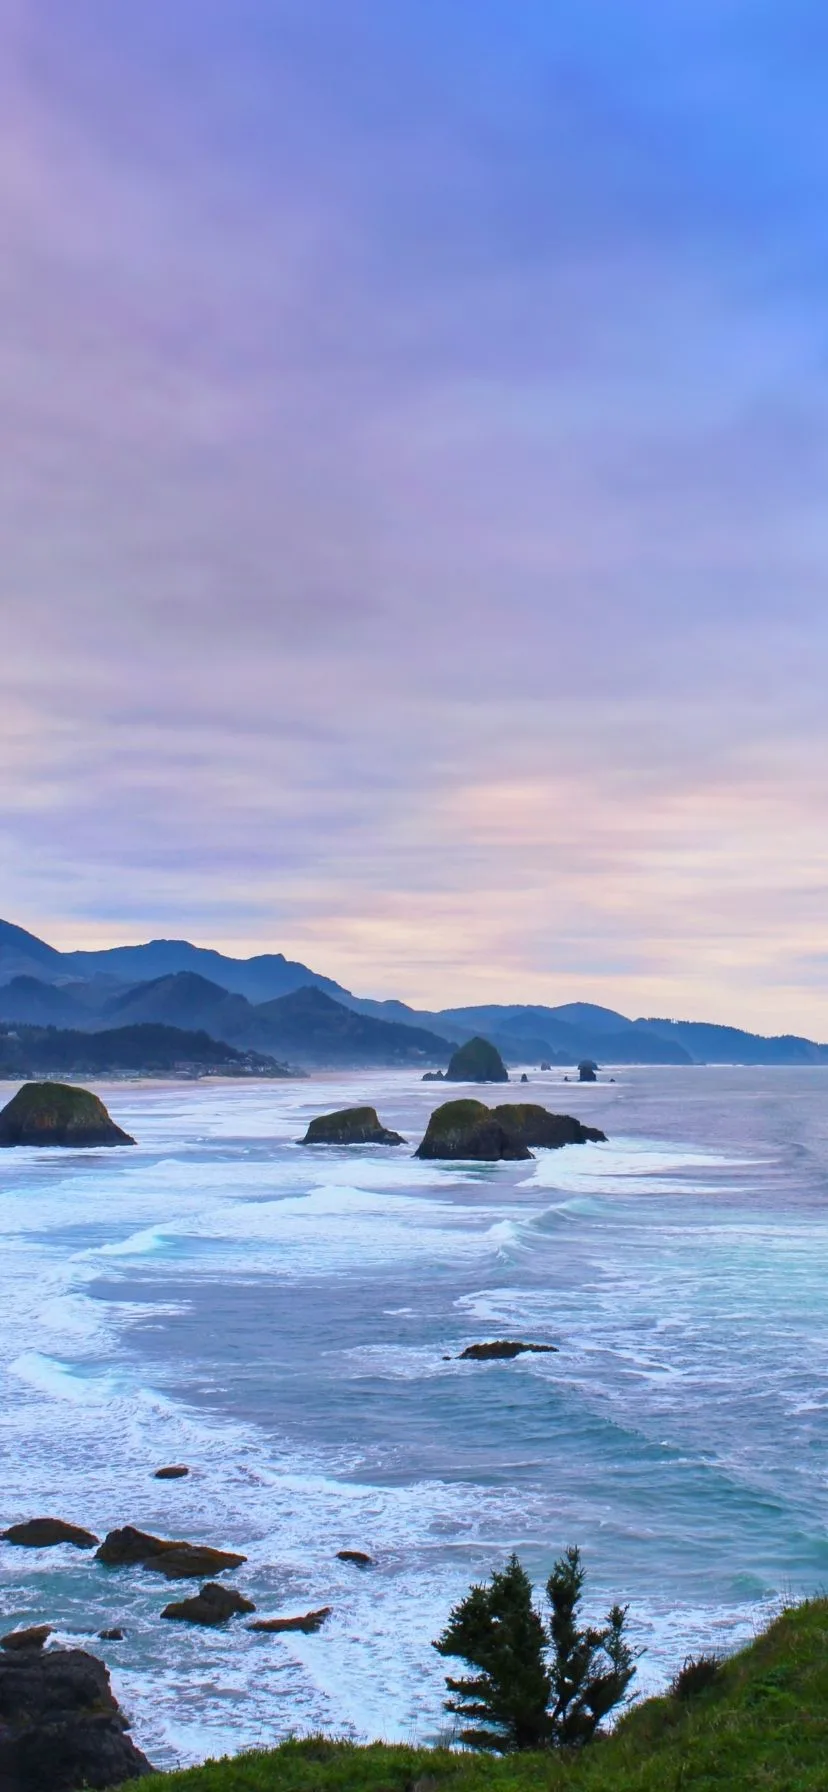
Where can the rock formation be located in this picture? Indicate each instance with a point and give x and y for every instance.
(534, 1125)
(587, 1071)
(476, 1062)
(46, 1533)
(357, 1556)
(503, 1349)
(60, 1725)
(468, 1129)
(212, 1604)
(58, 1114)
(33, 1637)
(175, 1472)
(350, 1126)
(308, 1623)
(175, 1559)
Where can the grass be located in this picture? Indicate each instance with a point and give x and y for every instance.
(762, 1723)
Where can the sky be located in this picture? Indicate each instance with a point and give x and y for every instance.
(413, 468)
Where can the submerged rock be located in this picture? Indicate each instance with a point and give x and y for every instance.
(175, 1472)
(60, 1725)
(468, 1129)
(212, 1604)
(58, 1114)
(503, 1348)
(46, 1533)
(115, 1635)
(476, 1062)
(32, 1638)
(308, 1623)
(350, 1126)
(357, 1556)
(174, 1558)
(535, 1125)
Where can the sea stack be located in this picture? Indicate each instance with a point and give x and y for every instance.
(468, 1129)
(58, 1114)
(477, 1061)
(350, 1126)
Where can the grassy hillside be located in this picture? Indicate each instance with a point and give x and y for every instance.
(763, 1724)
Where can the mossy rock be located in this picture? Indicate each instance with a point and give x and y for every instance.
(350, 1126)
(477, 1061)
(469, 1130)
(534, 1125)
(58, 1114)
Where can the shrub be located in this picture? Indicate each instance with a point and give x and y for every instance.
(695, 1675)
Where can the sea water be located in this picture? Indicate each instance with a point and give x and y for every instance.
(288, 1322)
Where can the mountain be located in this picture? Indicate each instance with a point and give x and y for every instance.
(182, 999)
(29, 999)
(172, 982)
(307, 1027)
(526, 1033)
(710, 1044)
(142, 1050)
(23, 955)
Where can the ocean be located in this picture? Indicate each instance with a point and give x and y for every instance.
(288, 1322)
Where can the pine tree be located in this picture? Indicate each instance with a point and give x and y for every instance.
(497, 1630)
(591, 1669)
(524, 1700)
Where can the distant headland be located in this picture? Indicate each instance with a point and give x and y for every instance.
(168, 1006)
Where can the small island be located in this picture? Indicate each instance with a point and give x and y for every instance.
(468, 1129)
(350, 1126)
(478, 1061)
(58, 1114)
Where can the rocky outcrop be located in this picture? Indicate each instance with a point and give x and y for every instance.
(46, 1533)
(587, 1071)
(175, 1472)
(434, 1076)
(350, 1126)
(60, 1725)
(115, 1635)
(58, 1114)
(357, 1556)
(129, 1547)
(534, 1125)
(469, 1130)
(213, 1604)
(176, 1559)
(502, 1349)
(32, 1638)
(308, 1623)
(191, 1561)
(476, 1062)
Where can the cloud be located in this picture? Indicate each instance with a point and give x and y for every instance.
(414, 541)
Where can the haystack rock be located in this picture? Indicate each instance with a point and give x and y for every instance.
(476, 1062)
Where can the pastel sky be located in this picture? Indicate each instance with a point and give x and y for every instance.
(413, 499)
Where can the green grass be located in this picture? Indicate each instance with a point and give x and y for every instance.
(763, 1725)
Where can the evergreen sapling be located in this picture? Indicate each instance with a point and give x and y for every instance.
(535, 1686)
